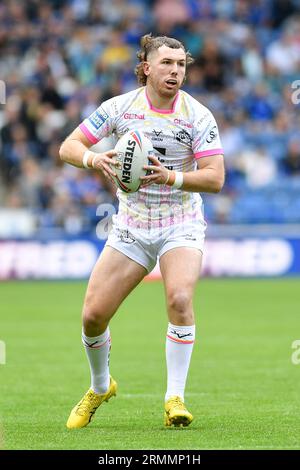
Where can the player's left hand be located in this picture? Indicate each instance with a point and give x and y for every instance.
(157, 173)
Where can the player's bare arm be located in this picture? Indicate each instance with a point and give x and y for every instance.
(209, 177)
(73, 151)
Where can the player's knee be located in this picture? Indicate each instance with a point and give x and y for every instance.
(179, 302)
(90, 318)
(92, 315)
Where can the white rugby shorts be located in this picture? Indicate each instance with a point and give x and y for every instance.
(144, 247)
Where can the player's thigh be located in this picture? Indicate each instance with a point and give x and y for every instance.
(112, 279)
(180, 268)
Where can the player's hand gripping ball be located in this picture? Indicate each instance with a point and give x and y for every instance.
(133, 150)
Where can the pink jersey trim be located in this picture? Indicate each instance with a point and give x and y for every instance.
(88, 134)
(163, 111)
(208, 153)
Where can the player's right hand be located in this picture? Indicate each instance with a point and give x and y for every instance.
(104, 161)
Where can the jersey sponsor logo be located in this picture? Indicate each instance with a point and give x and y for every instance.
(182, 136)
(157, 135)
(212, 135)
(98, 119)
(133, 116)
(183, 123)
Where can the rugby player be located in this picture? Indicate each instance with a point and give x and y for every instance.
(163, 220)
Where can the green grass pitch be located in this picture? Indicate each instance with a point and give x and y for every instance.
(243, 388)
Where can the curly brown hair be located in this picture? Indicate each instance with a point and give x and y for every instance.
(149, 44)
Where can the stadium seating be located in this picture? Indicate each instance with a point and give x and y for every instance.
(83, 55)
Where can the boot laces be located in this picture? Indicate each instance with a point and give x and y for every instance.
(86, 405)
(177, 402)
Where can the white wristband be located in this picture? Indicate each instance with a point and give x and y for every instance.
(85, 159)
(178, 180)
(93, 160)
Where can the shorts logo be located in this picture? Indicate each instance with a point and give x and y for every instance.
(97, 119)
(189, 236)
(125, 236)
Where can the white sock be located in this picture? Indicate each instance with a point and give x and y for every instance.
(179, 347)
(97, 350)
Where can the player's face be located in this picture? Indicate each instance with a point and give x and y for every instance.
(165, 70)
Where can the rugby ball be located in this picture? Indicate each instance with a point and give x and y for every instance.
(133, 150)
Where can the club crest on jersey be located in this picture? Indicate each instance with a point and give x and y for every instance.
(183, 136)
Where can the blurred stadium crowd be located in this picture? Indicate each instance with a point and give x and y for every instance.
(60, 59)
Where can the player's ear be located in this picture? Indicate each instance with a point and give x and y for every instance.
(146, 68)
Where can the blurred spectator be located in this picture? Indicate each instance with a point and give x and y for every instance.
(291, 162)
(252, 61)
(168, 14)
(213, 65)
(60, 58)
(116, 53)
(284, 53)
(259, 168)
(281, 10)
(259, 104)
(29, 182)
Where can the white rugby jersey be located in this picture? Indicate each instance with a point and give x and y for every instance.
(179, 136)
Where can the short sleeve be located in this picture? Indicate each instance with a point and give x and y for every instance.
(206, 141)
(99, 124)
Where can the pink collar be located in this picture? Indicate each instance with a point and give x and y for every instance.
(162, 111)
